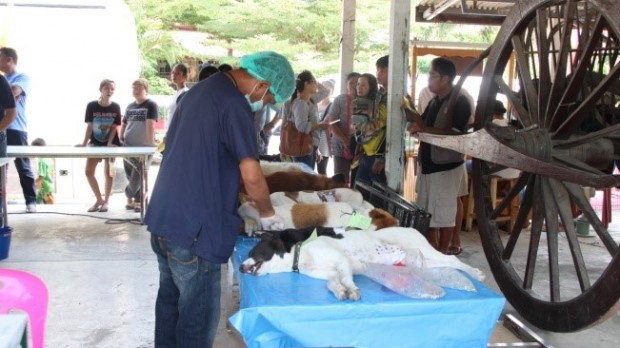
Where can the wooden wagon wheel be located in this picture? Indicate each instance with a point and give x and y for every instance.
(568, 64)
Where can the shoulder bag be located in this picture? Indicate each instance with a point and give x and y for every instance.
(293, 142)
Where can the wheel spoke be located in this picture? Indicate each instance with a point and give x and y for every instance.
(507, 200)
(576, 81)
(611, 131)
(575, 163)
(551, 219)
(582, 202)
(537, 223)
(560, 65)
(524, 209)
(560, 195)
(523, 116)
(531, 92)
(542, 42)
(578, 115)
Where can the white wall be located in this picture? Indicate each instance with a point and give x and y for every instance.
(67, 47)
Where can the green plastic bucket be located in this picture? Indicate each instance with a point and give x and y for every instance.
(582, 227)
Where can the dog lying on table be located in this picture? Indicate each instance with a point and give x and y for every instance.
(289, 181)
(336, 259)
(329, 214)
(343, 194)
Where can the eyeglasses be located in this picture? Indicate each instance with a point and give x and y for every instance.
(432, 76)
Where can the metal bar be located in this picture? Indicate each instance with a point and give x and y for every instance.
(523, 332)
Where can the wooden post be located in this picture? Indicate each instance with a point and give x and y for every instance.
(347, 46)
(397, 80)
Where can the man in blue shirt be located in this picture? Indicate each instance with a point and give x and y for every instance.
(17, 132)
(210, 148)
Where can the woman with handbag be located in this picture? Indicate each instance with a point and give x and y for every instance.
(304, 117)
(341, 131)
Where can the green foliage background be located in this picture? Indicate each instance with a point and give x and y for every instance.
(306, 31)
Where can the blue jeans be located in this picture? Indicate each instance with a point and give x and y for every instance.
(364, 171)
(134, 176)
(26, 177)
(187, 309)
(308, 160)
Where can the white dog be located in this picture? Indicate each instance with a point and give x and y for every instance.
(342, 194)
(272, 167)
(337, 260)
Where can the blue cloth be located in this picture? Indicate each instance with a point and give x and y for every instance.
(23, 81)
(187, 310)
(293, 310)
(195, 197)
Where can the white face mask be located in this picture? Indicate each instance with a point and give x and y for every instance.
(257, 105)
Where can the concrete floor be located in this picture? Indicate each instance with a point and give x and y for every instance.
(102, 277)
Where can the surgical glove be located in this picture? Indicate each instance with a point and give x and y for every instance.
(272, 223)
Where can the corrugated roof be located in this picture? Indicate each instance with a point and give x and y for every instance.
(463, 11)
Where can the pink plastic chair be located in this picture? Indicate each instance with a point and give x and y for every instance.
(23, 291)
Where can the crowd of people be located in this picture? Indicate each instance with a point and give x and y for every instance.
(218, 129)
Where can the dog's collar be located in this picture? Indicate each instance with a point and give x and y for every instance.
(296, 257)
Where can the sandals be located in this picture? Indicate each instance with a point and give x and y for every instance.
(137, 208)
(94, 208)
(129, 206)
(102, 208)
(454, 250)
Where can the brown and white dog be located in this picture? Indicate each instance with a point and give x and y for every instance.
(291, 181)
(338, 259)
(343, 194)
(301, 215)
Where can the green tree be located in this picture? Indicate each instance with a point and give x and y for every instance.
(306, 31)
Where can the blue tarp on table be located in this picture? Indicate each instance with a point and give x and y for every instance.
(293, 310)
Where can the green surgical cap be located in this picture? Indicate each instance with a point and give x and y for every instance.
(272, 67)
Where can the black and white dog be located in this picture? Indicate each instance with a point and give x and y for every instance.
(336, 259)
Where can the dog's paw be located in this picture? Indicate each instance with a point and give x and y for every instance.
(250, 227)
(354, 294)
(339, 290)
(478, 274)
(341, 294)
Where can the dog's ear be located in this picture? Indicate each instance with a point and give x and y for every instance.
(382, 219)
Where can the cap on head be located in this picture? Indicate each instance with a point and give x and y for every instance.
(272, 67)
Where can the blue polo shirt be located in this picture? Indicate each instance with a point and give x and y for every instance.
(195, 197)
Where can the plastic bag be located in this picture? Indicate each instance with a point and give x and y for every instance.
(403, 280)
(447, 277)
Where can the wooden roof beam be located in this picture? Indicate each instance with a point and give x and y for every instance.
(431, 12)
